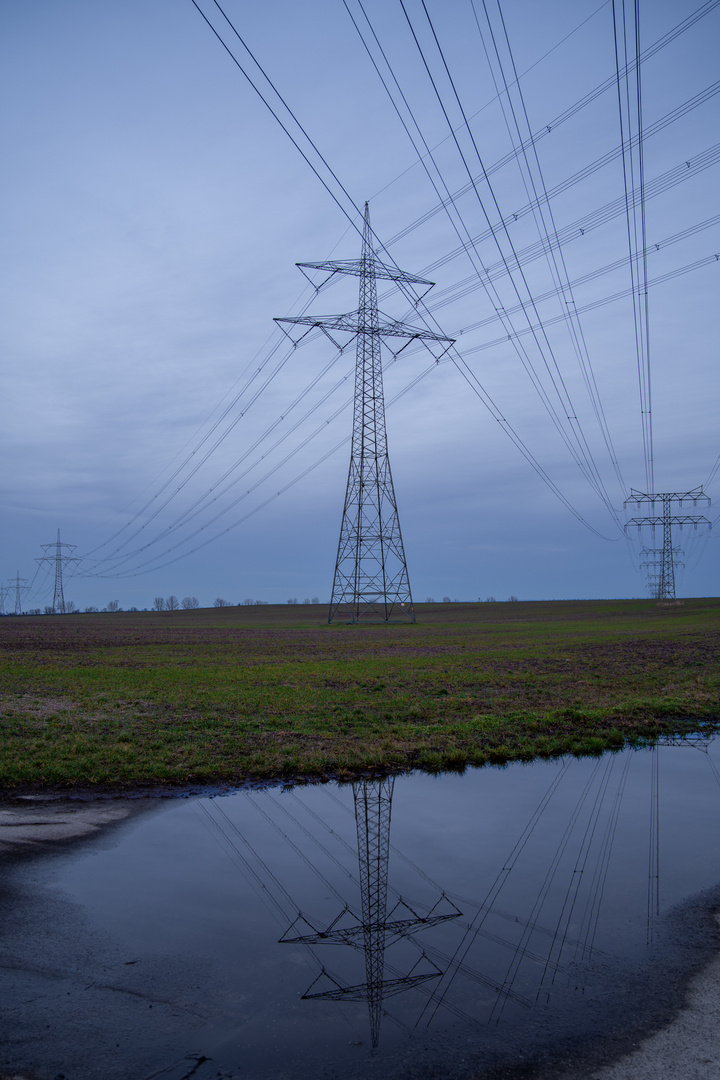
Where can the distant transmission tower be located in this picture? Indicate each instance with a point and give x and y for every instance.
(651, 562)
(18, 584)
(664, 582)
(58, 604)
(371, 577)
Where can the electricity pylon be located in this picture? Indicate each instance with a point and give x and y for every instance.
(652, 564)
(371, 579)
(58, 604)
(665, 584)
(19, 590)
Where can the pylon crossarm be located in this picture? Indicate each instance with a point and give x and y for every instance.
(351, 323)
(337, 323)
(361, 992)
(358, 267)
(295, 339)
(696, 495)
(330, 274)
(675, 519)
(437, 356)
(392, 930)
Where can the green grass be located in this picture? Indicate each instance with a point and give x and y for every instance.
(217, 696)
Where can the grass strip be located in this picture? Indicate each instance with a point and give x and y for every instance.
(115, 701)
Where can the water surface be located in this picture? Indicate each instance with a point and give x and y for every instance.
(422, 926)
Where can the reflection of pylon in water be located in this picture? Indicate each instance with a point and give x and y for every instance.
(377, 930)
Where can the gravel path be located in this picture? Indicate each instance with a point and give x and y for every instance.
(31, 826)
(688, 1048)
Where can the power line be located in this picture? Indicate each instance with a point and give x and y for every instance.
(549, 235)
(567, 114)
(574, 437)
(633, 161)
(185, 514)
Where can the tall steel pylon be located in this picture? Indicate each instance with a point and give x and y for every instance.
(664, 584)
(58, 558)
(371, 580)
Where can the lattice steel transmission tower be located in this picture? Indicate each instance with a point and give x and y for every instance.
(58, 604)
(18, 584)
(371, 579)
(651, 561)
(664, 584)
(376, 930)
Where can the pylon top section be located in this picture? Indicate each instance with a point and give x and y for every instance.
(367, 319)
(358, 267)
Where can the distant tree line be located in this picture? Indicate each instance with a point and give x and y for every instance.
(160, 603)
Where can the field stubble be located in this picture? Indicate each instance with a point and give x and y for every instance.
(220, 696)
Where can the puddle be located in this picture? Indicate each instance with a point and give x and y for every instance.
(495, 923)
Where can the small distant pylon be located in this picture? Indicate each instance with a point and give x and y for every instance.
(664, 585)
(651, 561)
(18, 584)
(58, 558)
(371, 580)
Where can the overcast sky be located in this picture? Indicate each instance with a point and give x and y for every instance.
(153, 210)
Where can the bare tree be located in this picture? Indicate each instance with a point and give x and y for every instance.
(159, 603)
(189, 602)
(447, 600)
(70, 607)
(90, 610)
(219, 602)
(315, 600)
(431, 600)
(292, 600)
(489, 599)
(112, 606)
(172, 603)
(512, 599)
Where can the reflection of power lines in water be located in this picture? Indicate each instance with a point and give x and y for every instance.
(373, 931)
(525, 935)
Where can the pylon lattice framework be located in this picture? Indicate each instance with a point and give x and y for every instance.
(20, 587)
(664, 583)
(652, 561)
(371, 579)
(58, 604)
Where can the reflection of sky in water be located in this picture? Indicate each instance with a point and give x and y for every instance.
(556, 869)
